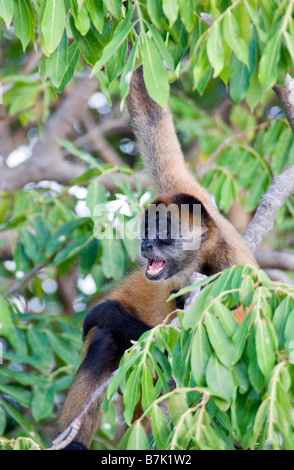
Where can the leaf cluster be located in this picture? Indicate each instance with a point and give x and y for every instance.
(233, 383)
(248, 44)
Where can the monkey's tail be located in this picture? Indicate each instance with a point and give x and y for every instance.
(158, 143)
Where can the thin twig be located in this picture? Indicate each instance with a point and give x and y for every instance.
(25, 279)
(68, 435)
(281, 187)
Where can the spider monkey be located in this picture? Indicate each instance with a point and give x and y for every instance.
(139, 303)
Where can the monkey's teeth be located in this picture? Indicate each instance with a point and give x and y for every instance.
(152, 270)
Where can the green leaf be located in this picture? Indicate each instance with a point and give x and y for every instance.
(53, 23)
(6, 322)
(259, 422)
(177, 406)
(246, 291)
(84, 156)
(6, 11)
(219, 339)
(39, 344)
(243, 415)
(18, 341)
(25, 97)
(19, 394)
(112, 260)
(240, 336)
(254, 372)
(132, 394)
(241, 377)
(289, 336)
(280, 318)
(201, 71)
(137, 438)
(25, 443)
(232, 36)
(95, 8)
(147, 385)
(89, 44)
(24, 21)
(264, 349)
(239, 79)
(18, 417)
(117, 40)
(226, 318)
(43, 402)
(267, 72)
(200, 354)
(187, 14)
(219, 380)
(116, 63)
(124, 84)
(62, 234)
(2, 421)
(171, 10)
(215, 50)
(163, 50)
(289, 41)
(160, 429)
(73, 249)
(96, 195)
(30, 245)
(73, 53)
(114, 7)
(154, 11)
(154, 73)
(81, 17)
(62, 348)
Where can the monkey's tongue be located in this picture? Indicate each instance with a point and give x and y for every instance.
(154, 266)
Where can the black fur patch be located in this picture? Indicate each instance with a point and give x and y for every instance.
(180, 301)
(75, 446)
(113, 316)
(104, 354)
(183, 198)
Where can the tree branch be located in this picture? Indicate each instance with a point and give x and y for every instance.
(46, 161)
(68, 435)
(27, 278)
(278, 275)
(281, 187)
(268, 259)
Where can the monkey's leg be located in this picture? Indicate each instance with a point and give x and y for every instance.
(114, 328)
(102, 358)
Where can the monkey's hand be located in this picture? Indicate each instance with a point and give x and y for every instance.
(112, 315)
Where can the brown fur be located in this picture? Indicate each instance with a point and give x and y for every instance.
(145, 299)
(163, 158)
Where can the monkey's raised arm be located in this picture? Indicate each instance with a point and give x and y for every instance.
(162, 155)
(158, 143)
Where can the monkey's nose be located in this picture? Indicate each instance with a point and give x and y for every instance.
(147, 246)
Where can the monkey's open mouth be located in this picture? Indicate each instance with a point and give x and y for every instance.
(154, 266)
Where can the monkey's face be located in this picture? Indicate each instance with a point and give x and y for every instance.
(171, 238)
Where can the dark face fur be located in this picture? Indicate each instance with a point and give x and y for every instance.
(164, 240)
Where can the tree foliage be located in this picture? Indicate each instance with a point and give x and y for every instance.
(234, 384)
